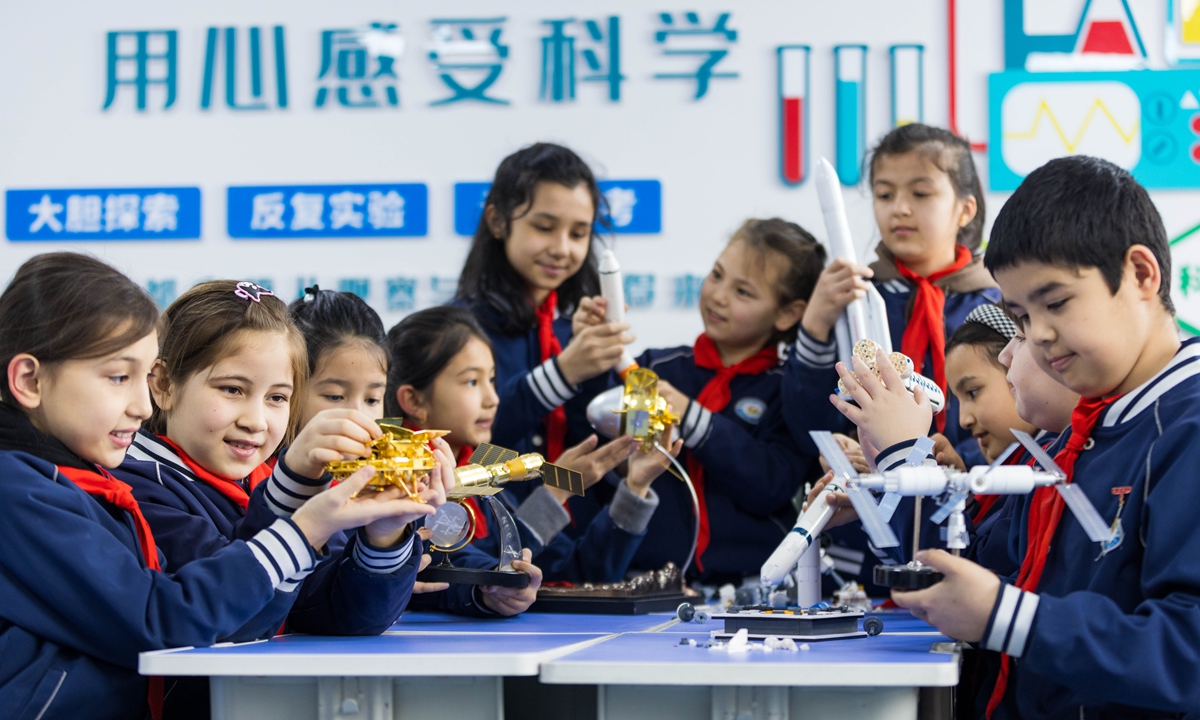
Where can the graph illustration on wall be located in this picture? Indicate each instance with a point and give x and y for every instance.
(1147, 122)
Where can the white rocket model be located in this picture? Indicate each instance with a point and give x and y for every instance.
(612, 289)
(918, 480)
(865, 318)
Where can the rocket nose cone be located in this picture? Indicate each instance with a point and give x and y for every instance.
(601, 412)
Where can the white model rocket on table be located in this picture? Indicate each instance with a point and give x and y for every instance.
(612, 289)
(864, 319)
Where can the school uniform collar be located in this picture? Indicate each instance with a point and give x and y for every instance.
(18, 434)
(972, 278)
(148, 447)
(1183, 366)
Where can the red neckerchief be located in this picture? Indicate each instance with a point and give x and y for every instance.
(715, 396)
(102, 484)
(481, 527)
(556, 421)
(1045, 511)
(926, 329)
(231, 489)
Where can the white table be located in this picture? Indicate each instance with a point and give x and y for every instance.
(445, 667)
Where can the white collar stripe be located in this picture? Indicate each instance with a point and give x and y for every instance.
(1182, 367)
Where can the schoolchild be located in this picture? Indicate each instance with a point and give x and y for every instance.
(1092, 630)
(443, 377)
(530, 264)
(929, 209)
(83, 584)
(726, 390)
(231, 387)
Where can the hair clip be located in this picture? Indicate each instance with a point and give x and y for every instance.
(994, 317)
(310, 293)
(251, 291)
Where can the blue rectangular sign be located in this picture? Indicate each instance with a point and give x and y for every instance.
(165, 213)
(469, 198)
(634, 206)
(328, 211)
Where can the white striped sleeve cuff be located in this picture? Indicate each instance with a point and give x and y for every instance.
(813, 352)
(382, 561)
(284, 553)
(286, 491)
(894, 456)
(1013, 618)
(549, 386)
(697, 422)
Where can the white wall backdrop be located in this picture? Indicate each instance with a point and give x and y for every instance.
(717, 157)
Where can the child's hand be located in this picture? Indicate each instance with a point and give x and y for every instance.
(514, 601)
(591, 462)
(887, 413)
(593, 350)
(960, 604)
(839, 284)
(330, 436)
(337, 509)
(945, 454)
(676, 401)
(389, 531)
(424, 587)
(853, 452)
(645, 467)
(590, 312)
(843, 511)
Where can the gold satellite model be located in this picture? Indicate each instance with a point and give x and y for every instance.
(644, 413)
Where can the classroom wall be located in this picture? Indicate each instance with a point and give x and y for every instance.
(303, 176)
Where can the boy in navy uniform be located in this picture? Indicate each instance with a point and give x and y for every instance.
(1090, 630)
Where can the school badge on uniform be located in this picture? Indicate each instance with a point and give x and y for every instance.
(750, 409)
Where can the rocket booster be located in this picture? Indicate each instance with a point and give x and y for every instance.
(808, 527)
(612, 289)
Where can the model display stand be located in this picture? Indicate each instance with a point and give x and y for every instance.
(808, 624)
(913, 576)
(655, 591)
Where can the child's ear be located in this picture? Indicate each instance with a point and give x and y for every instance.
(25, 373)
(790, 314)
(970, 206)
(160, 387)
(495, 223)
(412, 403)
(1142, 268)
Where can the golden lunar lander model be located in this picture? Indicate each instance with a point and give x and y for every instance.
(402, 457)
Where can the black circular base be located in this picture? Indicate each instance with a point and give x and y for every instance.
(872, 625)
(469, 576)
(903, 577)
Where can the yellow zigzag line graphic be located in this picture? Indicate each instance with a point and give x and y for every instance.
(1097, 104)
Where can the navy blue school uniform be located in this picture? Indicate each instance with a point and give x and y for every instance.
(1114, 632)
(752, 472)
(810, 378)
(361, 590)
(78, 603)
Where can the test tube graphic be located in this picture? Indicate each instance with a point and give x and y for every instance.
(793, 109)
(908, 84)
(850, 66)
